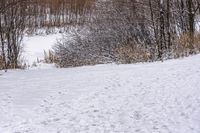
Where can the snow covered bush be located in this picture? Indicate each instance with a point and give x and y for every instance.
(74, 50)
(66, 56)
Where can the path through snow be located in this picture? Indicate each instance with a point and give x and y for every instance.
(142, 98)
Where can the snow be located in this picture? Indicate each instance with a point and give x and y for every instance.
(42, 65)
(161, 97)
(34, 46)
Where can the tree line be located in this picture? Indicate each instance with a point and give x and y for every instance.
(123, 31)
(128, 31)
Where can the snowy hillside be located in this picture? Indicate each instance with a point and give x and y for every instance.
(142, 98)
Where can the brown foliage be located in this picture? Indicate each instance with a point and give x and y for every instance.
(49, 57)
(132, 54)
(185, 45)
(1, 62)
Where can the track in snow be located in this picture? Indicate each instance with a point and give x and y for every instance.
(142, 98)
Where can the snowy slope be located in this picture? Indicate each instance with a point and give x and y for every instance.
(142, 98)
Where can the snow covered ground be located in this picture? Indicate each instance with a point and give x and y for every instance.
(141, 98)
(34, 46)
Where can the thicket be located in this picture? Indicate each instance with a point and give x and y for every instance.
(129, 31)
(102, 31)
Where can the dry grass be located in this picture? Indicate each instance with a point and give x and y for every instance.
(132, 54)
(185, 45)
(1, 63)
